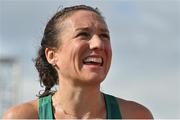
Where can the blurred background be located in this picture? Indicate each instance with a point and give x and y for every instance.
(145, 38)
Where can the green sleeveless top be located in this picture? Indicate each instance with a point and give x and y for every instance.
(46, 110)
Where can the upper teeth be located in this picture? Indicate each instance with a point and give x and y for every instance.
(94, 59)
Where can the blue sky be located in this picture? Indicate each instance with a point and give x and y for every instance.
(145, 41)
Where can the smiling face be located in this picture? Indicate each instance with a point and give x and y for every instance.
(85, 51)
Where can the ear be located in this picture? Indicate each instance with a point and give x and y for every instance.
(50, 56)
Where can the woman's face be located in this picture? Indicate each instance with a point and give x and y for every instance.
(84, 55)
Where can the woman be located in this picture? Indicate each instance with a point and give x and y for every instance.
(76, 54)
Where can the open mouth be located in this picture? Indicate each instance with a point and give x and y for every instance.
(93, 60)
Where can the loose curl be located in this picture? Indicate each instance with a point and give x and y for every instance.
(47, 72)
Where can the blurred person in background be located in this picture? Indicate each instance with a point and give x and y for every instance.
(75, 54)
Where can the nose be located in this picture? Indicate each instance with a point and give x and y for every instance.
(96, 43)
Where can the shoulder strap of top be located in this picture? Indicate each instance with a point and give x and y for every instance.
(112, 107)
(45, 108)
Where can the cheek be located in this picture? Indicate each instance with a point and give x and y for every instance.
(108, 50)
(80, 49)
(73, 53)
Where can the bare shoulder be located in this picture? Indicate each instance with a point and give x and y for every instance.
(23, 111)
(133, 110)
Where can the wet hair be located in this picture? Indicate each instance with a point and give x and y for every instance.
(47, 72)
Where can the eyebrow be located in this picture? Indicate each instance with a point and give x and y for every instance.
(104, 30)
(88, 29)
(82, 28)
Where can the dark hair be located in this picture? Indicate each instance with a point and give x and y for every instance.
(47, 73)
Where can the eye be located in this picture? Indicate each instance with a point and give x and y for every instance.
(83, 34)
(105, 36)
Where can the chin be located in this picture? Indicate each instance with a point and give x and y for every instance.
(96, 79)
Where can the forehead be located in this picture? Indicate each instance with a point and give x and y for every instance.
(85, 18)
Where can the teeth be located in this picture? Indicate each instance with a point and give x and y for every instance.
(93, 59)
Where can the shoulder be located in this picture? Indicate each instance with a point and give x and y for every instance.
(131, 110)
(23, 111)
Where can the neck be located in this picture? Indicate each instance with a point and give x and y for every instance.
(79, 102)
